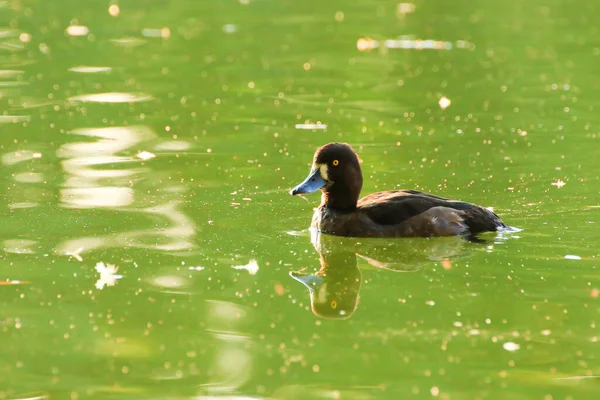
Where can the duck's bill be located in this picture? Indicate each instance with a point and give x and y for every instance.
(311, 282)
(312, 183)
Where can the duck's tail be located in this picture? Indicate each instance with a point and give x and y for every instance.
(480, 219)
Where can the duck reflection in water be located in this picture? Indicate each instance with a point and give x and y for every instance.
(334, 288)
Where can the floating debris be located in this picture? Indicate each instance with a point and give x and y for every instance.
(446, 264)
(251, 267)
(108, 275)
(444, 102)
(13, 282)
(511, 346)
(557, 86)
(198, 268)
(170, 281)
(128, 42)
(78, 30)
(114, 10)
(90, 70)
(572, 257)
(75, 254)
(311, 126)
(164, 33)
(366, 44)
(279, 289)
(559, 183)
(44, 48)
(405, 8)
(230, 28)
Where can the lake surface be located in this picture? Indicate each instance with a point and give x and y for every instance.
(150, 248)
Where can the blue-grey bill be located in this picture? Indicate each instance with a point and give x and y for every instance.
(312, 183)
(311, 282)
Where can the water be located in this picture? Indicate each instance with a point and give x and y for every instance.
(162, 139)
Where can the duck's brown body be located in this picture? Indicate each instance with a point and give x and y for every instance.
(405, 213)
(394, 213)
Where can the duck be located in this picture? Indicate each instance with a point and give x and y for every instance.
(336, 172)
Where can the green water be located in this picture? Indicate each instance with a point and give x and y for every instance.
(222, 293)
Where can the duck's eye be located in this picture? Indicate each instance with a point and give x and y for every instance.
(335, 163)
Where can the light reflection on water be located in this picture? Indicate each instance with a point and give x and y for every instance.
(233, 363)
(90, 177)
(89, 183)
(112, 97)
(81, 161)
(13, 119)
(174, 234)
(90, 69)
(24, 165)
(19, 246)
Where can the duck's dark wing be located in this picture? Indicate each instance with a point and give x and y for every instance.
(396, 206)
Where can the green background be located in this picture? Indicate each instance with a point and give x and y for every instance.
(217, 100)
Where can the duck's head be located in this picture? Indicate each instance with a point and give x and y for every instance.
(336, 171)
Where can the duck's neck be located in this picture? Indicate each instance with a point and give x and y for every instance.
(339, 200)
(341, 193)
